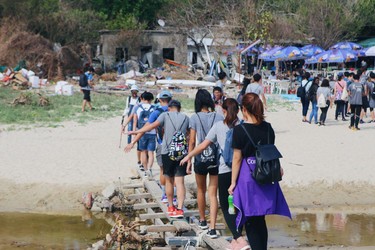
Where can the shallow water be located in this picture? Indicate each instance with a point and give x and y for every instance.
(37, 231)
(322, 230)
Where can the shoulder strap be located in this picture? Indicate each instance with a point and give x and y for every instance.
(213, 121)
(172, 121)
(340, 85)
(248, 135)
(306, 84)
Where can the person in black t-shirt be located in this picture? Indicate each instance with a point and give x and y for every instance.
(253, 201)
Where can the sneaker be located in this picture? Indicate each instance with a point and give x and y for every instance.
(164, 199)
(241, 244)
(177, 213)
(212, 234)
(203, 225)
(141, 167)
(356, 129)
(361, 121)
(145, 174)
(171, 210)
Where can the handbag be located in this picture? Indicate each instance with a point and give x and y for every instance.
(267, 168)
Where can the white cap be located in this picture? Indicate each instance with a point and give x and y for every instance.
(134, 88)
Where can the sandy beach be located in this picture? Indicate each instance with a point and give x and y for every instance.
(46, 170)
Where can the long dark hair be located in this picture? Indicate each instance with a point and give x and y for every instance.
(231, 106)
(254, 106)
(203, 98)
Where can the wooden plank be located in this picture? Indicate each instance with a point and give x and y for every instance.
(161, 228)
(182, 226)
(161, 248)
(145, 205)
(139, 196)
(135, 185)
(218, 243)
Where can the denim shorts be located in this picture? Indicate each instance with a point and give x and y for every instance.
(147, 142)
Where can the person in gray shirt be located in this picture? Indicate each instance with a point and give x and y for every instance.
(217, 134)
(326, 92)
(206, 162)
(257, 88)
(356, 91)
(171, 121)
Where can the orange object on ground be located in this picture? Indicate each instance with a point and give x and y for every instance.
(171, 62)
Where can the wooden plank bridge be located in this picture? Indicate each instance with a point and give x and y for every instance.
(178, 234)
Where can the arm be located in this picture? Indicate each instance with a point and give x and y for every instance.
(199, 149)
(264, 101)
(236, 165)
(147, 127)
(135, 122)
(192, 137)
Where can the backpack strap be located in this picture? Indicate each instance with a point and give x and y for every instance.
(248, 135)
(213, 121)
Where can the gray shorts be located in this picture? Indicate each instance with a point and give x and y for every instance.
(158, 155)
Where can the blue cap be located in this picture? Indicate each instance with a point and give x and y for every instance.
(165, 94)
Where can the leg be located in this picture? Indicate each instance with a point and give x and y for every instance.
(144, 159)
(230, 219)
(84, 105)
(201, 194)
(139, 156)
(316, 113)
(130, 128)
(212, 194)
(169, 189)
(358, 109)
(257, 234)
(312, 112)
(150, 161)
(321, 115)
(181, 191)
(337, 109)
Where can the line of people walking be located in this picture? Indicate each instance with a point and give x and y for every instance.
(197, 143)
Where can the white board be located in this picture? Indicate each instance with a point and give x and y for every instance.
(186, 83)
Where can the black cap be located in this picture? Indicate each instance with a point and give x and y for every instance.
(174, 103)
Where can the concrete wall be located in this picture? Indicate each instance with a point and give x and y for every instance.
(157, 40)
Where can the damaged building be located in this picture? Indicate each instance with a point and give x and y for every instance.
(150, 47)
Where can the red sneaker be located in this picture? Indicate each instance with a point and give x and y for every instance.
(178, 213)
(171, 210)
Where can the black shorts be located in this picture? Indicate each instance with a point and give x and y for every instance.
(86, 95)
(172, 168)
(365, 103)
(212, 170)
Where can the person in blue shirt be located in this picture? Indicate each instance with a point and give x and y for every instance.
(164, 98)
(87, 88)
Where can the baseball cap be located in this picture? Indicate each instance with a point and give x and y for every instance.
(174, 103)
(165, 94)
(134, 88)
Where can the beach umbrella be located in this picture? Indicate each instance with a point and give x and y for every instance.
(347, 45)
(311, 50)
(267, 55)
(370, 51)
(361, 52)
(288, 54)
(367, 43)
(311, 60)
(337, 56)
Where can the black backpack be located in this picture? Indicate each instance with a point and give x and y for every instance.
(83, 82)
(301, 91)
(209, 157)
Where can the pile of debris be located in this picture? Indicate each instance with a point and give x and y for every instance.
(22, 79)
(42, 56)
